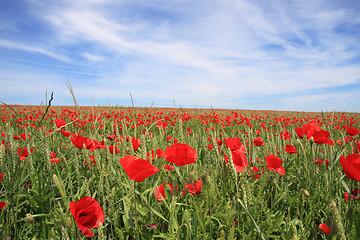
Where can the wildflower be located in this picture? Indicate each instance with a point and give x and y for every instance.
(53, 158)
(290, 149)
(354, 194)
(92, 161)
(320, 162)
(137, 169)
(24, 153)
(114, 149)
(135, 143)
(78, 141)
(66, 133)
(322, 137)
(97, 144)
(351, 166)
(353, 131)
(168, 167)
(239, 159)
(153, 226)
(258, 142)
(180, 154)
(159, 192)
(87, 213)
(325, 228)
(60, 123)
(160, 153)
(111, 137)
(254, 172)
(273, 162)
(193, 188)
(233, 143)
(2, 205)
(313, 132)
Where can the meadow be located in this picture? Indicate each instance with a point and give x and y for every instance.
(171, 173)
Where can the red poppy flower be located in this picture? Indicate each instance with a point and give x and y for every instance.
(322, 137)
(307, 129)
(111, 137)
(66, 133)
(78, 141)
(60, 123)
(168, 167)
(137, 169)
(193, 188)
(233, 143)
(159, 153)
(2, 205)
(321, 161)
(89, 144)
(92, 161)
(312, 130)
(53, 158)
(23, 136)
(153, 226)
(87, 213)
(24, 153)
(239, 159)
(159, 192)
(325, 228)
(355, 192)
(351, 166)
(135, 143)
(273, 162)
(290, 149)
(353, 131)
(114, 149)
(180, 154)
(258, 141)
(1, 177)
(97, 144)
(254, 172)
(152, 153)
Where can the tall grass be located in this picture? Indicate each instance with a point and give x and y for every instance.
(230, 205)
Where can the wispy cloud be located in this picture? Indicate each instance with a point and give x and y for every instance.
(221, 53)
(92, 57)
(29, 48)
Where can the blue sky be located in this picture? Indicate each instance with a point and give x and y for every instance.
(244, 54)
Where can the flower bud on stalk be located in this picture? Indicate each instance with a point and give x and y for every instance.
(68, 222)
(29, 218)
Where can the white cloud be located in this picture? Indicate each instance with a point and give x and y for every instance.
(208, 53)
(92, 57)
(31, 48)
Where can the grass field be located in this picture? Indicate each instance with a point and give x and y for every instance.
(144, 173)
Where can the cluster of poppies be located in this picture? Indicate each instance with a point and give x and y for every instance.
(88, 213)
(179, 154)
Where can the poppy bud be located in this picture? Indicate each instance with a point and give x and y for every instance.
(305, 192)
(68, 222)
(30, 218)
(311, 139)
